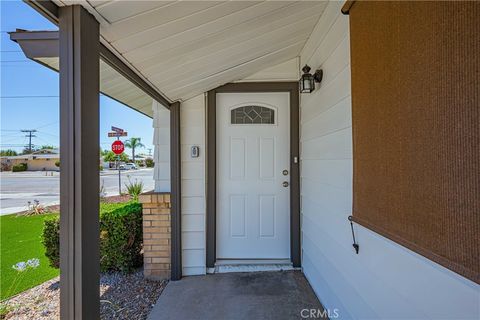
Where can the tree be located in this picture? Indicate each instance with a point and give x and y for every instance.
(149, 163)
(46, 146)
(28, 151)
(134, 143)
(104, 152)
(112, 157)
(8, 153)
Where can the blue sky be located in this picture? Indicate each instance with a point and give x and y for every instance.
(21, 77)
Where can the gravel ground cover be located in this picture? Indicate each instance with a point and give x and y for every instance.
(122, 296)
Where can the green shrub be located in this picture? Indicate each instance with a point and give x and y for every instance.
(20, 167)
(51, 240)
(121, 237)
(149, 163)
(57, 163)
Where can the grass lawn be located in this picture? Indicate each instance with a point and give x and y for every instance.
(20, 241)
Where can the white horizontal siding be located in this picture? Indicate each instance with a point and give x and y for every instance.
(385, 280)
(192, 119)
(161, 151)
(192, 240)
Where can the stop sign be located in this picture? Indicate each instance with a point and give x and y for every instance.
(118, 147)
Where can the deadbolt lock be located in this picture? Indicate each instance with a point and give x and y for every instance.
(285, 184)
(285, 172)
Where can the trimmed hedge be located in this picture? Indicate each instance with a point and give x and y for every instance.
(20, 167)
(51, 240)
(121, 237)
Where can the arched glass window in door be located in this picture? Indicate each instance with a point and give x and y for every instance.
(252, 115)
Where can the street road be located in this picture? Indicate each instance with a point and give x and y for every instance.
(17, 188)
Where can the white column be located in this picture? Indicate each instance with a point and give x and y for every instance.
(161, 143)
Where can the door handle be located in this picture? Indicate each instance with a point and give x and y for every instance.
(285, 184)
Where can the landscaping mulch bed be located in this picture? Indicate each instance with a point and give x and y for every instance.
(110, 199)
(122, 296)
(116, 199)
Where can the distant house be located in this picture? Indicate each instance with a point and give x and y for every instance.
(41, 160)
(141, 159)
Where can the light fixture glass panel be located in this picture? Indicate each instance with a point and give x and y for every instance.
(307, 83)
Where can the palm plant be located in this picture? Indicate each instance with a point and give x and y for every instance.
(133, 143)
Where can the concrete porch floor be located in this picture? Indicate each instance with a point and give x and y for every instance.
(258, 295)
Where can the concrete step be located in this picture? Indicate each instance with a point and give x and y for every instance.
(251, 266)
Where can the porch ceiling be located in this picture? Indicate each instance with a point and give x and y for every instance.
(184, 48)
(43, 47)
(115, 86)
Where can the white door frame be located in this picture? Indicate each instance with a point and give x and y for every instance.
(211, 154)
(253, 193)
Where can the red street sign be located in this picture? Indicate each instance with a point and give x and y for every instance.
(118, 147)
(117, 129)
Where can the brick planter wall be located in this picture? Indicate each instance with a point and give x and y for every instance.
(156, 235)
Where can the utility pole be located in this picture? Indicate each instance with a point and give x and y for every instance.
(29, 135)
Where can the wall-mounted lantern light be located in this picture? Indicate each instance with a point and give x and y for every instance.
(307, 81)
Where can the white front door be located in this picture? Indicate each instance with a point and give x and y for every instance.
(253, 174)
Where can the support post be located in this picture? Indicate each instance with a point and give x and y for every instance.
(79, 155)
(211, 158)
(175, 178)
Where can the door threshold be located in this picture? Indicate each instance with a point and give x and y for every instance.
(252, 265)
(222, 262)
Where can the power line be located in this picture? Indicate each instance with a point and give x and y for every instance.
(10, 140)
(18, 131)
(10, 137)
(22, 97)
(7, 61)
(12, 145)
(11, 134)
(49, 134)
(47, 125)
(45, 141)
(30, 135)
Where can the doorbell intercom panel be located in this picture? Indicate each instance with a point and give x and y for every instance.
(195, 152)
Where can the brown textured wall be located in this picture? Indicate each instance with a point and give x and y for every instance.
(416, 127)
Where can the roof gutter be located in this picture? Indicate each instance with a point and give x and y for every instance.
(50, 11)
